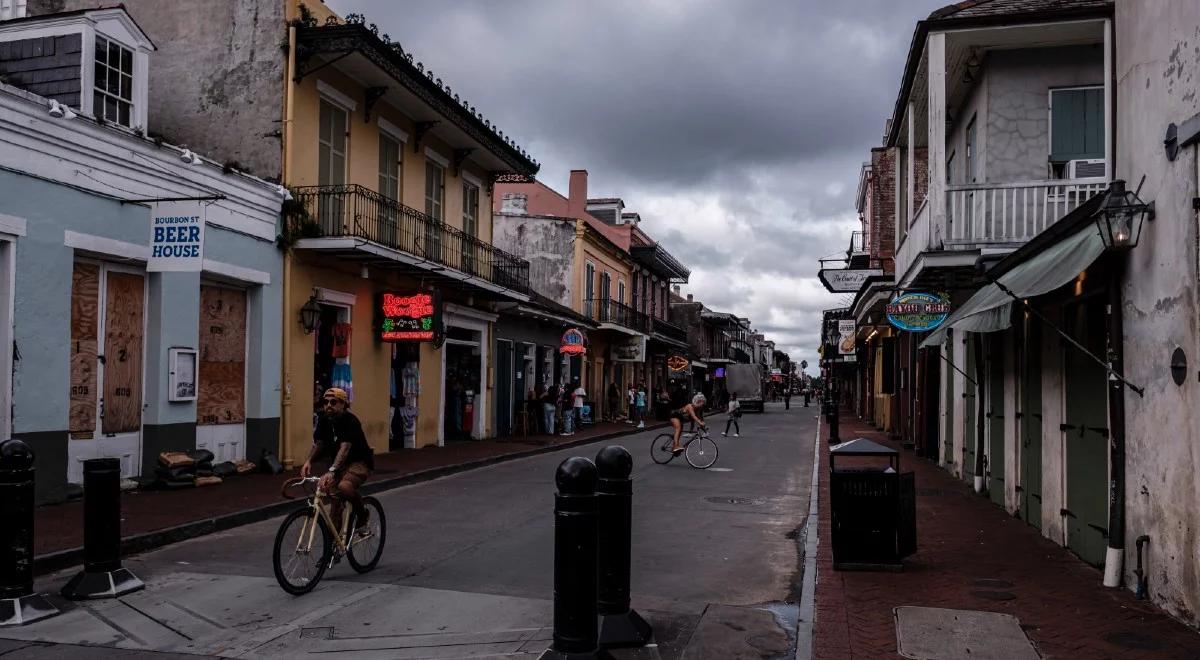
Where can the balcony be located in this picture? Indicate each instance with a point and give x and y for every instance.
(668, 330)
(661, 262)
(339, 218)
(607, 310)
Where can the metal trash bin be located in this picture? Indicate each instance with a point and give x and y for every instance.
(873, 509)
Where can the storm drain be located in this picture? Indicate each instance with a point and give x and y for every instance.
(744, 501)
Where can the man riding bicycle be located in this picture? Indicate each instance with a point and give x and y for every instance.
(339, 439)
(690, 411)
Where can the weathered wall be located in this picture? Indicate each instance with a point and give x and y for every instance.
(974, 107)
(882, 229)
(548, 245)
(1018, 105)
(217, 78)
(1157, 69)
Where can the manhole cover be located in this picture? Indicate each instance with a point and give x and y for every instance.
(1132, 641)
(747, 501)
(993, 583)
(994, 595)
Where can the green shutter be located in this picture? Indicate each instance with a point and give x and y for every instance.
(1077, 124)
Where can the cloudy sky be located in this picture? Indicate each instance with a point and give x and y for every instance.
(736, 128)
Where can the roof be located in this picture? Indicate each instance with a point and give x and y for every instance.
(605, 200)
(114, 10)
(538, 300)
(982, 13)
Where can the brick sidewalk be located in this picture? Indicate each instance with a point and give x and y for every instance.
(963, 538)
(59, 527)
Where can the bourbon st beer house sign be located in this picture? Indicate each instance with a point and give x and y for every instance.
(917, 312)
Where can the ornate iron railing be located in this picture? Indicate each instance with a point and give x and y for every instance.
(668, 330)
(607, 310)
(356, 211)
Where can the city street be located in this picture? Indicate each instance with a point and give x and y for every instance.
(468, 567)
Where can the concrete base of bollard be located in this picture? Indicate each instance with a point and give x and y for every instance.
(24, 610)
(105, 584)
(624, 630)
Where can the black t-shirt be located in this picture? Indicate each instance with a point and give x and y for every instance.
(331, 432)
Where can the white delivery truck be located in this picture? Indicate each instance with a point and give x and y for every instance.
(745, 380)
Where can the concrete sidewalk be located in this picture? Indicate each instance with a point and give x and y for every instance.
(972, 555)
(153, 518)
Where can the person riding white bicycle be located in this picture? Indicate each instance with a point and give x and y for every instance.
(691, 411)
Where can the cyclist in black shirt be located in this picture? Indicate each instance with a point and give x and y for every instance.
(690, 411)
(339, 439)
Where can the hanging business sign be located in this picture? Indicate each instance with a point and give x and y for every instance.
(677, 363)
(408, 317)
(176, 237)
(845, 344)
(573, 342)
(632, 349)
(917, 312)
(846, 280)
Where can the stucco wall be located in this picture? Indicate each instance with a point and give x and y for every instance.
(1157, 68)
(1018, 105)
(548, 245)
(219, 64)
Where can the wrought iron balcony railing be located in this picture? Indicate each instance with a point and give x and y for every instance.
(355, 211)
(607, 310)
(668, 330)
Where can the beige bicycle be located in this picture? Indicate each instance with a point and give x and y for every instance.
(309, 541)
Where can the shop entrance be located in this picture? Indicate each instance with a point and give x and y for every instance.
(108, 325)
(405, 389)
(331, 365)
(463, 381)
(1085, 425)
(221, 382)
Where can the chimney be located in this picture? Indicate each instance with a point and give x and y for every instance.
(689, 297)
(577, 194)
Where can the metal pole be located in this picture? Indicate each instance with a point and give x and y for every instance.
(102, 575)
(979, 413)
(1114, 559)
(576, 627)
(19, 604)
(620, 625)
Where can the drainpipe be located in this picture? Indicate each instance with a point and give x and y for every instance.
(1114, 557)
(285, 173)
(979, 412)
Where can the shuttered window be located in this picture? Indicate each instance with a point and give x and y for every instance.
(1076, 124)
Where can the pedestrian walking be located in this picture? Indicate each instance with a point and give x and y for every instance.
(568, 412)
(631, 401)
(735, 413)
(577, 397)
(640, 403)
(614, 401)
(787, 398)
(807, 394)
(549, 407)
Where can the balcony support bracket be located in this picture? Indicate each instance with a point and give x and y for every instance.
(420, 129)
(370, 98)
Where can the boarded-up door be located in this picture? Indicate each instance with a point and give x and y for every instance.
(221, 390)
(85, 319)
(1086, 429)
(970, 391)
(995, 414)
(123, 328)
(1031, 425)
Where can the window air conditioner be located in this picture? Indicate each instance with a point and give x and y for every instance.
(1086, 168)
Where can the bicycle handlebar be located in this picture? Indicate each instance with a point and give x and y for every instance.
(292, 483)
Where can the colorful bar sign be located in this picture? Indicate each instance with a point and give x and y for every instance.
(405, 318)
(917, 312)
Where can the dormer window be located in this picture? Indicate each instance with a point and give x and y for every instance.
(112, 91)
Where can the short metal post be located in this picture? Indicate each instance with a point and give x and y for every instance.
(19, 604)
(620, 625)
(834, 436)
(102, 575)
(575, 624)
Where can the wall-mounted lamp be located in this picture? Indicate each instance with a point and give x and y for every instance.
(1120, 218)
(310, 315)
(61, 111)
(190, 158)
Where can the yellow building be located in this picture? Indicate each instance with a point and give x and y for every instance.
(392, 180)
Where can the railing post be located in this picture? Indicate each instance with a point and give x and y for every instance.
(19, 604)
(102, 575)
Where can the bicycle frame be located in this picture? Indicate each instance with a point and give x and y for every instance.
(318, 502)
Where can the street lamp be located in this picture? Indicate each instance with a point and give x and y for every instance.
(310, 315)
(1120, 218)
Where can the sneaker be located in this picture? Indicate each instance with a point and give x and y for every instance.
(641, 425)
(723, 434)
(736, 435)
(362, 532)
(564, 433)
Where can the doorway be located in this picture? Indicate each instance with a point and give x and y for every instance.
(331, 363)
(463, 381)
(1031, 424)
(108, 325)
(970, 394)
(221, 386)
(995, 417)
(1085, 425)
(504, 387)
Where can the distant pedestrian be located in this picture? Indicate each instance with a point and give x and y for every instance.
(577, 398)
(631, 402)
(735, 413)
(787, 398)
(640, 406)
(614, 400)
(549, 408)
(807, 394)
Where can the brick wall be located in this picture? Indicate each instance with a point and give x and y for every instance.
(882, 223)
(920, 176)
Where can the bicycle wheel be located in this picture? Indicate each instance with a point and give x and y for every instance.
(301, 554)
(365, 551)
(660, 449)
(701, 452)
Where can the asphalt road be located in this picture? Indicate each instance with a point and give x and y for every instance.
(716, 553)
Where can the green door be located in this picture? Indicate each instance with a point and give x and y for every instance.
(995, 415)
(969, 404)
(1085, 426)
(948, 421)
(1031, 426)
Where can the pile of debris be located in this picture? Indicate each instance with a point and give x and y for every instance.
(188, 469)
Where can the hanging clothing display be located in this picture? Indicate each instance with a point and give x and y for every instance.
(341, 340)
(342, 377)
(411, 377)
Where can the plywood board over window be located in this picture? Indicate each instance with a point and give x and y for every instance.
(123, 340)
(221, 392)
(85, 300)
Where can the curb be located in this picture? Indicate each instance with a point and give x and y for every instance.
(138, 543)
(808, 587)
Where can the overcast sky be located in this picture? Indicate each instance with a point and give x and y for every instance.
(736, 128)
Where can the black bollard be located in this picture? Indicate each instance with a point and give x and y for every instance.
(19, 604)
(620, 625)
(575, 624)
(102, 575)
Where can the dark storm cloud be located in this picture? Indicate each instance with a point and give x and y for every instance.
(736, 128)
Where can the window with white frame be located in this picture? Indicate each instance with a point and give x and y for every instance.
(112, 87)
(12, 9)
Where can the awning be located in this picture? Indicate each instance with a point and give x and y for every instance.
(990, 309)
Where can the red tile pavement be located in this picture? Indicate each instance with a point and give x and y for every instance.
(961, 538)
(60, 526)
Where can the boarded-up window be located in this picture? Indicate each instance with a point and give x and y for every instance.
(221, 392)
(85, 301)
(123, 328)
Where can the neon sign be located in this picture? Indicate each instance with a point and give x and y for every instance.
(917, 312)
(404, 318)
(677, 363)
(573, 343)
